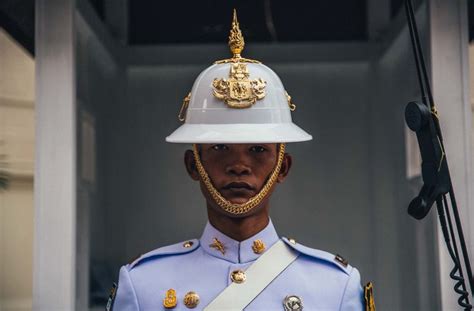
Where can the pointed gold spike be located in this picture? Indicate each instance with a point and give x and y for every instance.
(236, 45)
(236, 40)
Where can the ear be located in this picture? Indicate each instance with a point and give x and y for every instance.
(285, 168)
(190, 164)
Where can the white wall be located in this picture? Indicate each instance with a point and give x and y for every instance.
(17, 112)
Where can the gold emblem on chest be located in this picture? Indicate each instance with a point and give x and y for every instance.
(239, 91)
(170, 301)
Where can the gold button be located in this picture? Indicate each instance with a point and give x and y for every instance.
(292, 241)
(188, 244)
(341, 260)
(238, 276)
(191, 300)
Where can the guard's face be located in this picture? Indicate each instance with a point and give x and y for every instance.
(238, 171)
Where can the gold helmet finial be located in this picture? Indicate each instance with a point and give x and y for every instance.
(236, 45)
(236, 40)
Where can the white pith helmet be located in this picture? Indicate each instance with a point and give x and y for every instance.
(237, 100)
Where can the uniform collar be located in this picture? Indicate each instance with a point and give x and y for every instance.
(219, 245)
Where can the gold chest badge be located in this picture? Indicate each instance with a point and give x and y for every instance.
(239, 91)
(170, 301)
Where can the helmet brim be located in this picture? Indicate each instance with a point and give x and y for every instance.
(238, 133)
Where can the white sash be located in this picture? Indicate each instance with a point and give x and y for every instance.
(262, 272)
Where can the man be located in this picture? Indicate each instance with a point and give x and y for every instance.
(238, 118)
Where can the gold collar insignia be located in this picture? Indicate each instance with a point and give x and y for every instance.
(216, 244)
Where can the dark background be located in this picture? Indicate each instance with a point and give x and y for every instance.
(207, 21)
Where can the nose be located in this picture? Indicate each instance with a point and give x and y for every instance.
(238, 169)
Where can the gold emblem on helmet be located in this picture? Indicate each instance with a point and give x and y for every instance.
(239, 91)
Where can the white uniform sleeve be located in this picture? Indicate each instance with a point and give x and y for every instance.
(353, 299)
(126, 299)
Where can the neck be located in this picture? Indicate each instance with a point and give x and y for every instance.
(239, 229)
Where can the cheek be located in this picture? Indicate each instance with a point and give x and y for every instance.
(263, 167)
(215, 167)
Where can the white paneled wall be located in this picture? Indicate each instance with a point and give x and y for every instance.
(17, 162)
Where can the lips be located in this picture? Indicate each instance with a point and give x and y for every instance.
(238, 185)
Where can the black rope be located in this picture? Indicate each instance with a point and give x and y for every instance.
(420, 53)
(457, 220)
(415, 52)
(460, 285)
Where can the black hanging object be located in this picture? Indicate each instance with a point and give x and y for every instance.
(422, 118)
(434, 166)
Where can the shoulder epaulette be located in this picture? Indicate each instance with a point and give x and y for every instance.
(174, 249)
(335, 260)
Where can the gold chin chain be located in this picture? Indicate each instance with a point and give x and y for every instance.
(233, 208)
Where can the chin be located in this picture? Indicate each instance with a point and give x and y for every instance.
(239, 216)
(221, 211)
(238, 200)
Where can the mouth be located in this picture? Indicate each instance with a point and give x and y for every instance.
(238, 186)
(238, 192)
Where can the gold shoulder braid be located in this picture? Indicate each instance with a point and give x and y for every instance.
(369, 297)
(238, 209)
(112, 294)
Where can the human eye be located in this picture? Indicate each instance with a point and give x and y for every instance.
(258, 149)
(220, 147)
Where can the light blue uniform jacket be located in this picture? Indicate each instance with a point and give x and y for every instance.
(322, 282)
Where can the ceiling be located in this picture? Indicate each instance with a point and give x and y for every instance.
(207, 21)
(17, 17)
(261, 21)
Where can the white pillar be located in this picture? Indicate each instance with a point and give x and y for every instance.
(450, 68)
(54, 274)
